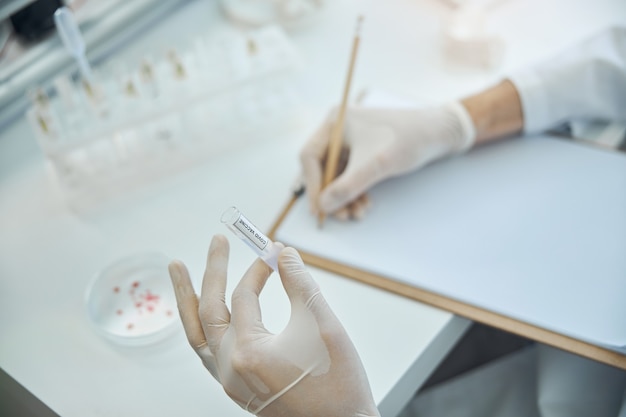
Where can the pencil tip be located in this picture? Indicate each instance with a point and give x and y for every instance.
(359, 24)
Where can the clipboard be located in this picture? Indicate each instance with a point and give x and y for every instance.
(555, 173)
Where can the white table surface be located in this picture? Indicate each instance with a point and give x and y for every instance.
(48, 254)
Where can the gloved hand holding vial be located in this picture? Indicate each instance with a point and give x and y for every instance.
(309, 369)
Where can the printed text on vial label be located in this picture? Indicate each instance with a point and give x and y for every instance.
(254, 235)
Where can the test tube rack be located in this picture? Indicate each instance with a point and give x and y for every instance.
(126, 127)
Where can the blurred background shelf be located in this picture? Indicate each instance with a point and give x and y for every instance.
(106, 26)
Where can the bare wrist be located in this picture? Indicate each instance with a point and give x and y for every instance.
(496, 112)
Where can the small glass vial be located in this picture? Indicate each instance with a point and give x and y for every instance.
(252, 236)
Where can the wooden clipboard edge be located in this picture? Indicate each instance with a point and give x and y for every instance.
(471, 312)
(468, 311)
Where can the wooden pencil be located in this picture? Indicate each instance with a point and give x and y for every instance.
(295, 195)
(336, 134)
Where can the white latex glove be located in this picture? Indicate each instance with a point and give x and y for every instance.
(309, 369)
(382, 143)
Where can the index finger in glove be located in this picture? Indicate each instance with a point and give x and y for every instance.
(346, 188)
(246, 311)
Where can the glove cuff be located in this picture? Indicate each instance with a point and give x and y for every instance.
(467, 130)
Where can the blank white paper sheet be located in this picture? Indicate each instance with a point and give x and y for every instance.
(532, 228)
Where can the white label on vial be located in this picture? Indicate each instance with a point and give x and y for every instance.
(251, 232)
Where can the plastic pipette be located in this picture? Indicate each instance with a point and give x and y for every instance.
(72, 39)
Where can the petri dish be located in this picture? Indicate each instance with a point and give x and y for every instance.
(132, 302)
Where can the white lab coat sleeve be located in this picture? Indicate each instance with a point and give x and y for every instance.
(585, 82)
